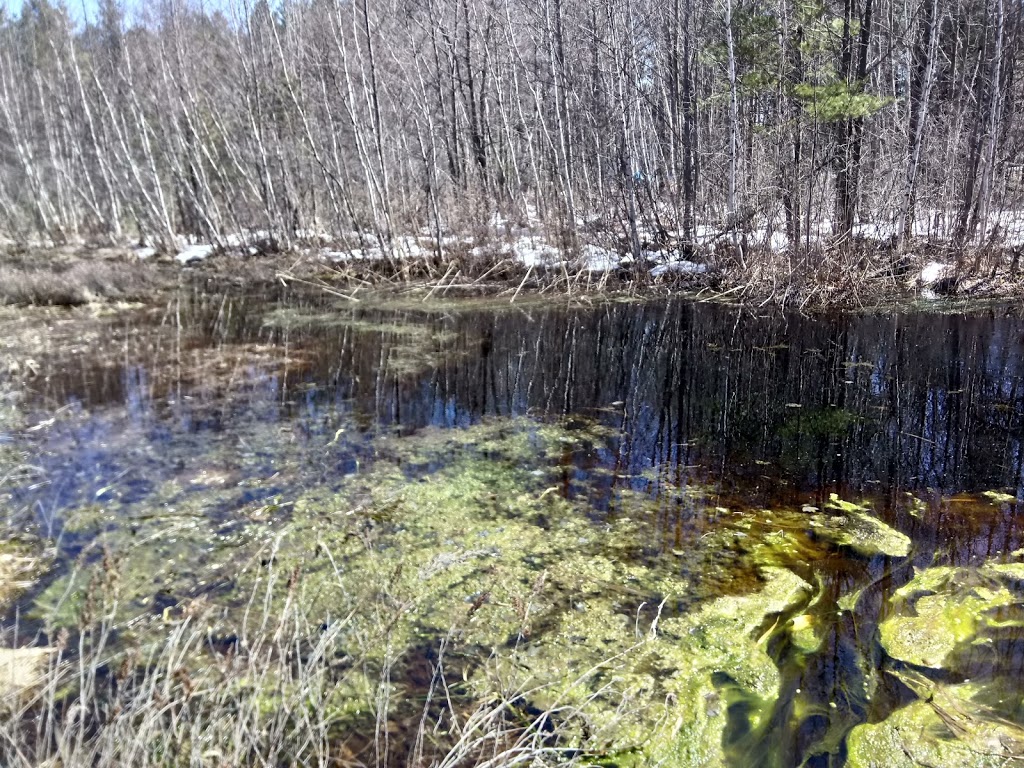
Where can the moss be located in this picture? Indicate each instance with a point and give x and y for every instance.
(943, 609)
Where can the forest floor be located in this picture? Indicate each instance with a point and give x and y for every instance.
(860, 277)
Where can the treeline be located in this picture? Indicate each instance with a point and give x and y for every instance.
(786, 120)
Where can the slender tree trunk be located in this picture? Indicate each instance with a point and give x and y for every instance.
(925, 55)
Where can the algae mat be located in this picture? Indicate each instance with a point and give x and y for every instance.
(471, 538)
(627, 534)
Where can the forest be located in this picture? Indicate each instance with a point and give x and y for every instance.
(790, 126)
(571, 383)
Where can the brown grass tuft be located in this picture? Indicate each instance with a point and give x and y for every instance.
(80, 282)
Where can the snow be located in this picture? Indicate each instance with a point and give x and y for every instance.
(871, 230)
(681, 266)
(597, 259)
(356, 254)
(530, 251)
(402, 247)
(534, 252)
(144, 252)
(239, 239)
(194, 253)
(933, 272)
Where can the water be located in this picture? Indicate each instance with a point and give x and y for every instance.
(728, 424)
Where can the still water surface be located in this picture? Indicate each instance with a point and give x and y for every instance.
(915, 414)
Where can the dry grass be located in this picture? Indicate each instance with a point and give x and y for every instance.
(281, 688)
(861, 274)
(79, 282)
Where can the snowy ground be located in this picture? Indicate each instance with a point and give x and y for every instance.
(521, 242)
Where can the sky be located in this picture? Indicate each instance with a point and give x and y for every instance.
(87, 9)
(79, 9)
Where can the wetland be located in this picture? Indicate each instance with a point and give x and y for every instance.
(282, 527)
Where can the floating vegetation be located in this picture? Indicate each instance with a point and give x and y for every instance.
(855, 528)
(948, 726)
(408, 346)
(484, 551)
(1000, 497)
(807, 535)
(343, 533)
(946, 609)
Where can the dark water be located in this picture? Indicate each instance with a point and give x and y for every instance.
(768, 409)
(850, 404)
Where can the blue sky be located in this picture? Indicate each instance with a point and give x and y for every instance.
(77, 8)
(82, 9)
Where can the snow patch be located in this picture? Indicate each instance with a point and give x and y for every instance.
(680, 266)
(597, 259)
(933, 272)
(194, 253)
(534, 252)
(400, 248)
(356, 254)
(530, 251)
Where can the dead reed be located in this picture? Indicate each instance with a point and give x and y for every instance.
(277, 686)
(79, 282)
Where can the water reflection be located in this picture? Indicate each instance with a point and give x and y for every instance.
(877, 404)
(760, 410)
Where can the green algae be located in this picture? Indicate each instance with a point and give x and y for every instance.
(945, 609)
(855, 528)
(473, 537)
(663, 695)
(807, 630)
(721, 650)
(788, 536)
(948, 726)
(848, 601)
(467, 535)
(1000, 497)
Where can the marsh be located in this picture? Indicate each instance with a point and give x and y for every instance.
(280, 527)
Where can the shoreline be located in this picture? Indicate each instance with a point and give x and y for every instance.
(879, 280)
